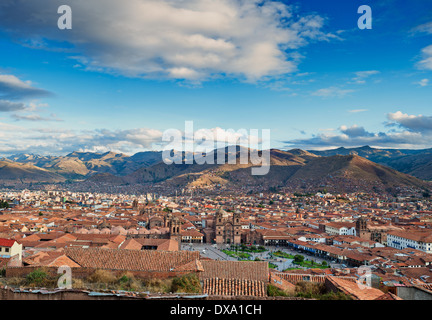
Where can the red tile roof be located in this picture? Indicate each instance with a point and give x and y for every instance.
(6, 242)
(234, 287)
(134, 260)
(247, 270)
(354, 290)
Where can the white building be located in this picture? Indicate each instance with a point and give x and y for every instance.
(421, 240)
(340, 229)
(10, 248)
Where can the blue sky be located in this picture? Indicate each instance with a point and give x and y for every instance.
(127, 72)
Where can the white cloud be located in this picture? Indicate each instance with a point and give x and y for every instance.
(426, 62)
(7, 106)
(188, 39)
(361, 76)
(13, 88)
(426, 28)
(423, 82)
(417, 123)
(35, 117)
(332, 92)
(354, 131)
(58, 141)
(357, 110)
(416, 132)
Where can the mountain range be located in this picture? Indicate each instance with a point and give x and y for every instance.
(342, 169)
(417, 163)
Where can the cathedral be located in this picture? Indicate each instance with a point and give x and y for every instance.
(227, 227)
(377, 233)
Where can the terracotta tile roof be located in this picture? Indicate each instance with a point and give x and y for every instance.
(423, 273)
(294, 278)
(160, 244)
(389, 296)
(6, 242)
(131, 244)
(280, 282)
(50, 259)
(191, 266)
(61, 261)
(427, 286)
(353, 289)
(247, 270)
(424, 236)
(234, 287)
(191, 233)
(138, 260)
(110, 245)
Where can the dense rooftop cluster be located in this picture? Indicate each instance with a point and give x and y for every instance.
(392, 236)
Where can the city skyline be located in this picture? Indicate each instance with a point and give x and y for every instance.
(125, 73)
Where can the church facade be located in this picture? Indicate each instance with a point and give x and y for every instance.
(227, 227)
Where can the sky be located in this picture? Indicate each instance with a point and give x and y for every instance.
(128, 71)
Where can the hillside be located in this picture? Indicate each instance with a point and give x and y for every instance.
(417, 163)
(11, 172)
(79, 165)
(355, 168)
(296, 169)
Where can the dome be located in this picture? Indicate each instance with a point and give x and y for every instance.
(143, 231)
(105, 231)
(132, 231)
(118, 230)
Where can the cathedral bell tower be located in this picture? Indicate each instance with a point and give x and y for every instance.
(361, 228)
(174, 225)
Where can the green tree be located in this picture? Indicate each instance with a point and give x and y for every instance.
(298, 258)
(36, 277)
(4, 204)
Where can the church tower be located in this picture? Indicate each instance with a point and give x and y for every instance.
(219, 226)
(135, 204)
(236, 228)
(361, 228)
(175, 230)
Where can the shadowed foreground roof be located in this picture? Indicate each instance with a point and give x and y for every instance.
(234, 287)
(134, 260)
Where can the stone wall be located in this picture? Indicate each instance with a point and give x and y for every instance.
(9, 294)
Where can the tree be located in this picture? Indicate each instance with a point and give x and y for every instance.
(298, 258)
(4, 204)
